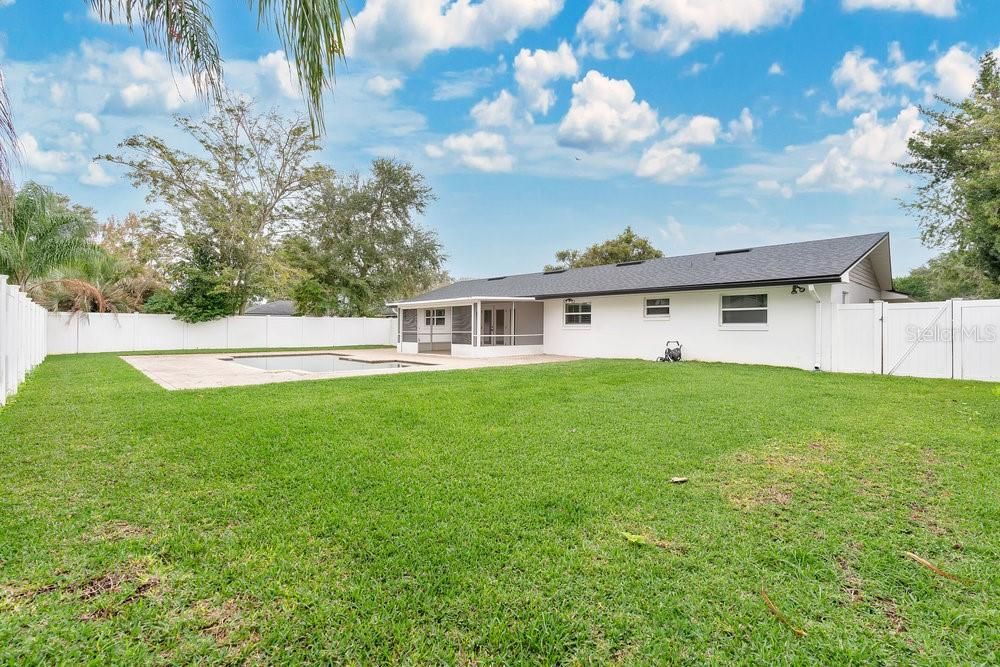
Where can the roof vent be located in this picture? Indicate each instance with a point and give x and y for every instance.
(731, 252)
(497, 278)
(631, 263)
(549, 272)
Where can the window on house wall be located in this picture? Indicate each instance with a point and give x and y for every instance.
(656, 307)
(576, 313)
(434, 317)
(743, 310)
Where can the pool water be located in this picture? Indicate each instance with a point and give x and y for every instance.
(313, 363)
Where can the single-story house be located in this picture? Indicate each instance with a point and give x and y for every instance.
(279, 308)
(769, 305)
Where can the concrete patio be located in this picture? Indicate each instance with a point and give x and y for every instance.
(207, 371)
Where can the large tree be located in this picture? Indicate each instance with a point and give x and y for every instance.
(947, 276)
(957, 202)
(360, 246)
(626, 247)
(311, 31)
(233, 200)
(44, 233)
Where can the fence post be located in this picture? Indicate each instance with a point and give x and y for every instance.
(956, 332)
(3, 339)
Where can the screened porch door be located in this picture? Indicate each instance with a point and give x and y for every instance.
(495, 325)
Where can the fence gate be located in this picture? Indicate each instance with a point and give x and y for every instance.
(943, 339)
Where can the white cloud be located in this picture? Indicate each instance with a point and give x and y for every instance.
(143, 81)
(533, 70)
(6, 3)
(673, 231)
(383, 86)
(498, 112)
(666, 163)
(695, 69)
(863, 156)
(604, 114)
(275, 67)
(772, 186)
(940, 8)
(45, 161)
(57, 93)
(89, 121)
(693, 130)
(465, 83)
(775, 69)
(742, 126)
(483, 151)
(904, 72)
(96, 176)
(859, 80)
(600, 23)
(956, 72)
(406, 31)
(676, 25)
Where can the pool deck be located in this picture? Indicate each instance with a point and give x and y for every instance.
(207, 371)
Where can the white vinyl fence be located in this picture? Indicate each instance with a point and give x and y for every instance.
(22, 337)
(131, 332)
(941, 339)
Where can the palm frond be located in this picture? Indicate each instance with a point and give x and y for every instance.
(8, 153)
(311, 32)
(182, 28)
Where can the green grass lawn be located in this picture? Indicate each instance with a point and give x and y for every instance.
(499, 516)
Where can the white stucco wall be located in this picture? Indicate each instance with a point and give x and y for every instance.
(854, 293)
(619, 328)
(424, 329)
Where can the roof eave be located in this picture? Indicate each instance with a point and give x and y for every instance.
(706, 286)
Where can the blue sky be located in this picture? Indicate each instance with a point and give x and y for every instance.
(544, 124)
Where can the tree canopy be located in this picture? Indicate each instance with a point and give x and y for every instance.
(229, 204)
(311, 32)
(360, 247)
(247, 215)
(626, 247)
(947, 276)
(957, 201)
(45, 231)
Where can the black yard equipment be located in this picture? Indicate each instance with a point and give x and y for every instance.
(672, 352)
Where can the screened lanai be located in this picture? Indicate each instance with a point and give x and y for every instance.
(472, 327)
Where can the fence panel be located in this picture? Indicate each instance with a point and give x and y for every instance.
(22, 337)
(940, 339)
(108, 332)
(857, 338)
(245, 331)
(977, 339)
(917, 339)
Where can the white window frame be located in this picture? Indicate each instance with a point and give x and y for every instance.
(748, 326)
(431, 317)
(575, 325)
(646, 307)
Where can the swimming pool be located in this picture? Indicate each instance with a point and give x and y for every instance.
(313, 363)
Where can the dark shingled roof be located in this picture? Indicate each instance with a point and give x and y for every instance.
(280, 307)
(809, 261)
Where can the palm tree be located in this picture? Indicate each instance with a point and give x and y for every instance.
(44, 233)
(311, 31)
(97, 283)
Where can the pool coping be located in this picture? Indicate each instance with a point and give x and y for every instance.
(215, 370)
